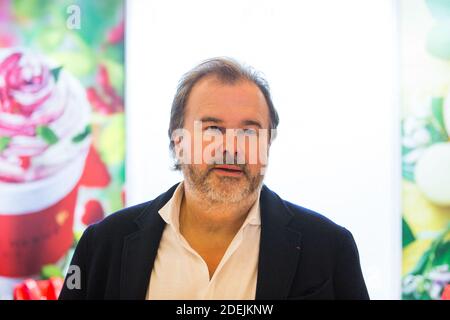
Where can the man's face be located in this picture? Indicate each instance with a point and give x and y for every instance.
(229, 170)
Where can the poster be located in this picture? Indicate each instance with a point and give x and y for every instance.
(62, 134)
(425, 129)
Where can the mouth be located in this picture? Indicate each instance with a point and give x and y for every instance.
(228, 170)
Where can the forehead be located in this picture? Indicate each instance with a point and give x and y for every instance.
(228, 102)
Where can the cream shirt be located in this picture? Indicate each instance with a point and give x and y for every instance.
(179, 272)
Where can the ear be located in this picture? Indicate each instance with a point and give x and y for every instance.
(178, 147)
(181, 140)
(177, 140)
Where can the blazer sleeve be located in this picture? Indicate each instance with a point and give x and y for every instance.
(74, 287)
(348, 278)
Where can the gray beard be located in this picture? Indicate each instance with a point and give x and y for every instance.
(200, 184)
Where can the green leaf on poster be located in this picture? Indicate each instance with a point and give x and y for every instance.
(80, 60)
(81, 136)
(4, 141)
(78, 63)
(51, 39)
(55, 72)
(420, 267)
(97, 18)
(114, 52)
(407, 234)
(76, 237)
(436, 134)
(47, 134)
(51, 270)
(438, 254)
(113, 195)
(111, 143)
(30, 9)
(441, 253)
(437, 109)
(406, 150)
(121, 175)
(417, 295)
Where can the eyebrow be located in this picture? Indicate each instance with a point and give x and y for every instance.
(211, 119)
(251, 123)
(246, 122)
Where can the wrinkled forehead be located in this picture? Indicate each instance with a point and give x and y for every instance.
(232, 103)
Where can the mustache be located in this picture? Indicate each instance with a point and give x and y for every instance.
(228, 159)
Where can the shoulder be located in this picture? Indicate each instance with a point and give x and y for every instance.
(313, 220)
(128, 220)
(312, 225)
(111, 231)
(124, 218)
(321, 231)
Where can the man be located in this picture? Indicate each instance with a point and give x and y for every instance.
(220, 233)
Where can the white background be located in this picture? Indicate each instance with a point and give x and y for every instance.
(332, 66)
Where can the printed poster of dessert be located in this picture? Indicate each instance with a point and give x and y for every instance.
(425, 128)
(62, 138)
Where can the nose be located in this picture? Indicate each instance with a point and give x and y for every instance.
(232, 152)
(229, 143)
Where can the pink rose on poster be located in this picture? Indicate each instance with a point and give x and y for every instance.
(43, 114)
(26, 84)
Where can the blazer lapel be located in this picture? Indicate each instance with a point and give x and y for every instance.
(140, 249)
(280, 248)
(278, 255)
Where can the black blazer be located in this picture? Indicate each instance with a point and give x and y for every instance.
(302, 255)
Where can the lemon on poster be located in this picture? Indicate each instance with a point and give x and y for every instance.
(421, 214)
(112, 140)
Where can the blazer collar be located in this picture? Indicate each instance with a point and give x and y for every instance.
(140, 249)
(278, 255)
(280, 248)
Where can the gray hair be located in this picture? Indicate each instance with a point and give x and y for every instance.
(228, 71)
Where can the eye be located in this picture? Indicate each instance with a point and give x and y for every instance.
(213, 130)
(250, 131)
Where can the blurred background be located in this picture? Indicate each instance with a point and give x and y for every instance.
(361, 88)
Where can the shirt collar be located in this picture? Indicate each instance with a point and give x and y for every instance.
(170, 212)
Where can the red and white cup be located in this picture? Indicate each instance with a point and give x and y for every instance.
(38, 197)
(36, 222)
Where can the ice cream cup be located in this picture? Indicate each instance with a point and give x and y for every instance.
(37, 201)
(36, 220)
